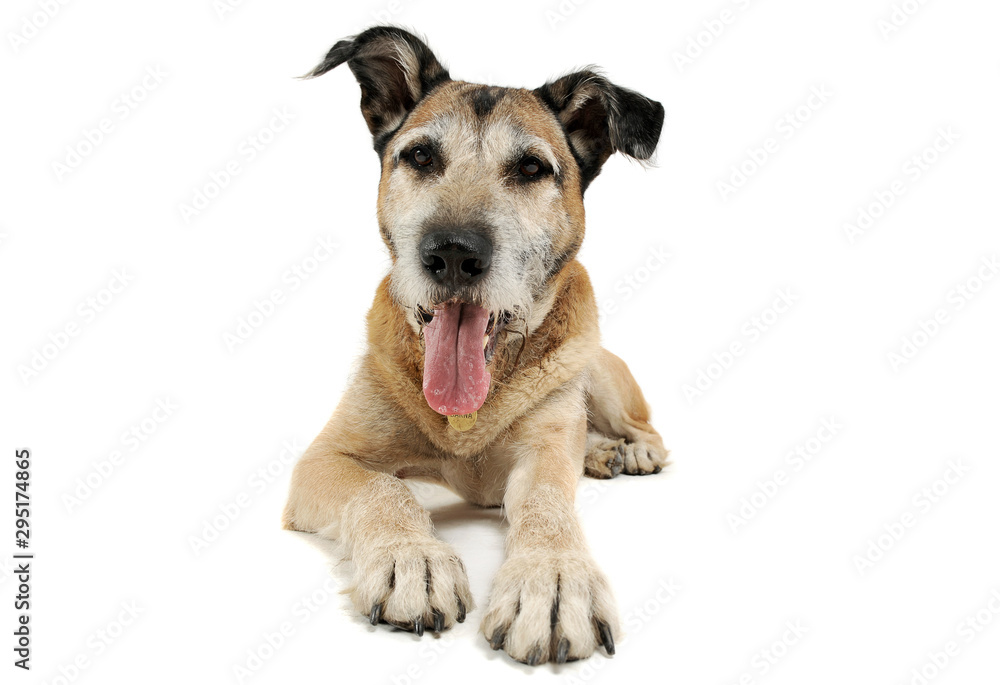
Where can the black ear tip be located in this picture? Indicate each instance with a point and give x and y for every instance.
(639, 124)
(348, 48)
(659, 116)
(342, 51)
(656, 126)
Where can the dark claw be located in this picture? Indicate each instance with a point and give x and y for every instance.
(562, 651)
(605, 631)
(535, 657)
(496, 642)
(376, 614)
(418, 626)
(438, 621)
(657, 469)
(618, 462)
(461, 611)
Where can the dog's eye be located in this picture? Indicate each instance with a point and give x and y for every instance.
(421, 155)
(531, 166)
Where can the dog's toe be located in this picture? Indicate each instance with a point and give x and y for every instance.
(642, 459)
(416, 586)
(547, 607)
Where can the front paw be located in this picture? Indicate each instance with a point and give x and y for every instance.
(547, 606)
(643, 458)
(412, 584)
(605, 457)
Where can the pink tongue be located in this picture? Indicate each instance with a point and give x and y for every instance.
(455, 376)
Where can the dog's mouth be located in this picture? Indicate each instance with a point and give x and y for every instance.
(459, 342)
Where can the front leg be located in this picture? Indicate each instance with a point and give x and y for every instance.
(404, 575)
(550, 601)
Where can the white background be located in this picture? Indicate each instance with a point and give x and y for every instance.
(162, 338)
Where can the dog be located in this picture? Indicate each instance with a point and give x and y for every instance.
(484, 370)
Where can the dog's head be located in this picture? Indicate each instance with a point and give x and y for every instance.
(481, 196)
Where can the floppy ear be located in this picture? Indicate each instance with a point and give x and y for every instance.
(394, 68)
(600, 118)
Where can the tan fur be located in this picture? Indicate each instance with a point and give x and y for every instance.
(559, 403)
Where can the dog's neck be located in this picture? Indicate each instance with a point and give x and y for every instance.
(551, 346)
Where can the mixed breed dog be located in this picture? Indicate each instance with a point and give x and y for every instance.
(484, 370)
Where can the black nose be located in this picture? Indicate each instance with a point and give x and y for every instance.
(456, 258)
